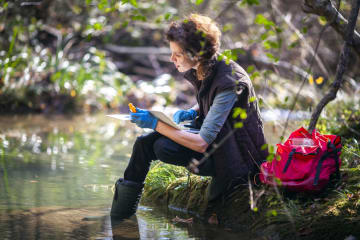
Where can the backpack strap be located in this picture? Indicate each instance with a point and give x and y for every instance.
(334, 154)
(291, 154)
(336, 157)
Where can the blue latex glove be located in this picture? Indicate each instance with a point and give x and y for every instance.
(183, 115)
(144, 119)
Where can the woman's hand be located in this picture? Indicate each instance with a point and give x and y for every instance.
(144, 119)
(183, 115)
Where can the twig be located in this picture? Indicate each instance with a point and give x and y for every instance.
(305, 42)
(230, 5)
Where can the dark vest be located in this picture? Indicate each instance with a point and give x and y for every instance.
(240, 154)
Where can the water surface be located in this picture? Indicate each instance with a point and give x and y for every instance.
(56, 179)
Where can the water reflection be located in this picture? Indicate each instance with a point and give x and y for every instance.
(56, 178)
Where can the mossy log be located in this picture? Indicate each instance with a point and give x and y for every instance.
(274, 213)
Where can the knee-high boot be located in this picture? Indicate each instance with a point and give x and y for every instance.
(126, 198)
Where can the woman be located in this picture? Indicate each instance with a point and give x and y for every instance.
(220, 88)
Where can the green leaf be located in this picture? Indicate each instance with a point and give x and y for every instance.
(261, 20)
(271, 44)
(237, 112)
(167, 16)
(271, 57)
(198, 2)
(139, 18)
(252, 99)
(270, 157)
(293, 44)
(264, 146)
(227, 27)
(55, 76)
(243, 115)
(250, 2)
(250, 68)
(278, 30)
(102, 4)
(134, 3)
(97, 26)
(264, 36)
(278, 181)
(238, 125)
(274, 213)
(254, 75)
(125, 24)
(271, 148)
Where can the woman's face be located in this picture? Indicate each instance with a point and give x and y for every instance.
(181, 60)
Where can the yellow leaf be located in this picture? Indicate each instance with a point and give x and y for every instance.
(311, 80)
(319, 80)
(322, 20)
(73, 93)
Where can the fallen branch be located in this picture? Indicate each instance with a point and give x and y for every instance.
(137, 50)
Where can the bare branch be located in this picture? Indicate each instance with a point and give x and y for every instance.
(137, 50)
(303, 39)
(338, 22)
(341, 68)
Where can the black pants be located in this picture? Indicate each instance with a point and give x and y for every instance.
(155, 146)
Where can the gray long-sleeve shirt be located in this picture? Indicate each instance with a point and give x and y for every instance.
(217, 115)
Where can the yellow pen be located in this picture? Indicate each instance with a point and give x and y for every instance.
(132, 108)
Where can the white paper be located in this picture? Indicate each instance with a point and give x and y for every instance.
(120, 116)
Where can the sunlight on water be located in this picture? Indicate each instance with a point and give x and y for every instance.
(57, 176)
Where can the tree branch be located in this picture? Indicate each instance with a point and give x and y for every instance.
(303, 39)
(342, 65)
(338, 22)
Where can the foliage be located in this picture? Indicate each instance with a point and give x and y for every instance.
(39, 53)
(58, 46)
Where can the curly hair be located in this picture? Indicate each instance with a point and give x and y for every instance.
(199, 36)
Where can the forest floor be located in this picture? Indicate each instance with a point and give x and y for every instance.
(274, 213)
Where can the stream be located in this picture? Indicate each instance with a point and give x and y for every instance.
(57, 175)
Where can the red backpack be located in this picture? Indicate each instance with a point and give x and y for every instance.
(304, 162)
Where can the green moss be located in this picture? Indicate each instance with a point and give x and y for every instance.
(333, 214)
(173, 185)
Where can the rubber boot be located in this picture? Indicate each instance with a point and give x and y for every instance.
(126, 198)
(213, 193)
